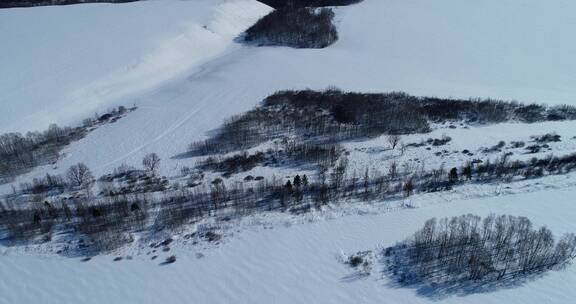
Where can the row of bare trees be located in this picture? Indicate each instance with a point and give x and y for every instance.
(178, 205)
(77, 177)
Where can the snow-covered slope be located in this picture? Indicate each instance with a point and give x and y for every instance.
(59, 64)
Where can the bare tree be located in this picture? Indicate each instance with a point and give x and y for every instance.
(151, 162)
(393, 140)
(79, 175)
(408, 187)
(393, 169)
(403, 148)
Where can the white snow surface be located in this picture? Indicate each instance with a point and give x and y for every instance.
(179, 63)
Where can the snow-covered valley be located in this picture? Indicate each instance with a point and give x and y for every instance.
(181, 64)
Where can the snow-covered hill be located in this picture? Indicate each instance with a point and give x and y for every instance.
(179, 63)
(60, 64)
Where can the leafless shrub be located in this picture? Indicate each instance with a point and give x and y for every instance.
(151, 162)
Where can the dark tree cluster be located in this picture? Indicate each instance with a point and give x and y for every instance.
(307, 3)
(297, 153)
(547, 138)
(233, 164)
(469, 248)
(333, 116)
(107, 222)
(98, 224)
(131, 181)
(356, 107)
(48, 183)
(31, 3)
(294, 27)
(432, 141)
(284, 153)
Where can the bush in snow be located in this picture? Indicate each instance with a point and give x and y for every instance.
(169, 260)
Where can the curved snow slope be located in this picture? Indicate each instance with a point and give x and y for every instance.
(59, 64)
(296, 264)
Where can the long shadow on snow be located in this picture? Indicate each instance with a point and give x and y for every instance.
(461, 288)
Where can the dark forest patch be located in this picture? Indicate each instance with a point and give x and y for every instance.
(294, 27)
(332, 116)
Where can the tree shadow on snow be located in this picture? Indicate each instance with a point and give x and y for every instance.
(356, 276)
(437, 291)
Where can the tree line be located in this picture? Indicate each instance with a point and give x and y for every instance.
(171, 206)
(333, 116)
